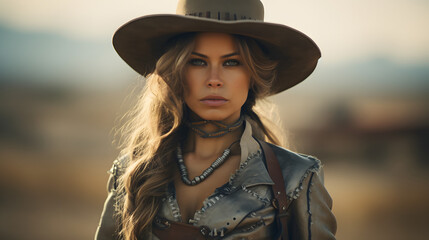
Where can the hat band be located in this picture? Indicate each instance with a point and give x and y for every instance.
(222, 10)
(225, 16)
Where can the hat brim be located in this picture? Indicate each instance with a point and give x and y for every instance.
(141, 41)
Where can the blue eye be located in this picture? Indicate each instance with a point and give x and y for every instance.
(232, 62)
(197, 62)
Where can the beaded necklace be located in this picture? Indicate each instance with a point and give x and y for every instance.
(206, 173)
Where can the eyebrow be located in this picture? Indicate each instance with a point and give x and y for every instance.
(224, 56)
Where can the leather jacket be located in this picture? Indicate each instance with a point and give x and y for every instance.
(242, 208)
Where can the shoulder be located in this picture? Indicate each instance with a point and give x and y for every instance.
(296, 167)
(118, 168)
(310, 201)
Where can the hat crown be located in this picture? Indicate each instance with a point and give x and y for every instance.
(226, 10)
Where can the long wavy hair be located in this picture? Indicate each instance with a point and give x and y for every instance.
(155, 126)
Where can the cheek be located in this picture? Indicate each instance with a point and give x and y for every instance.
(187, 94)
(243, 96)
(188, 84)
(243, 88)
(245, 83)
(191, 79)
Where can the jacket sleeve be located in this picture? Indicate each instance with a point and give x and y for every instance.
(108, 226)
(310, 213)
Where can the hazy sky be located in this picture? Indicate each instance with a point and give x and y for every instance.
(344, 29)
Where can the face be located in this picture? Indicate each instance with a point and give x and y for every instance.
(217, 82)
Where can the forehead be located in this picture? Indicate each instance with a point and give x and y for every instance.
(215, 42)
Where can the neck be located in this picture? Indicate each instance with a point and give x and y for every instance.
(211, 128)
(209, 148)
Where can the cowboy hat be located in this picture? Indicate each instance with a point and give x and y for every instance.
(141, 41)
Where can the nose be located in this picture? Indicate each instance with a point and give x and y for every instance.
(214, 78)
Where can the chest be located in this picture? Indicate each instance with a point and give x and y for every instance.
(190, 198)
(240, 206)
(229, 210)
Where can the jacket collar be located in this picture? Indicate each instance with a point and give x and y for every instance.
(249, 146)
(252, 170)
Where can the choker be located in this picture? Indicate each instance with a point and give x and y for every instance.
(206, 173)
(223, 128)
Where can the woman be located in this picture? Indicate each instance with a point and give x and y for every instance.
(195, 165)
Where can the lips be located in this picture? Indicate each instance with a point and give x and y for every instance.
(214, 101)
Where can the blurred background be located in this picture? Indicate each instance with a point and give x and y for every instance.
(364, 111)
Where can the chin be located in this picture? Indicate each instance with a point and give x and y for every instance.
(211, 116)
(216, 116)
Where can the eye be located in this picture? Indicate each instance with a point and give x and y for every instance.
(232, 62)
(197, 62)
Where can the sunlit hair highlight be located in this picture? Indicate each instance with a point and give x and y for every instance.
(149, 137)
